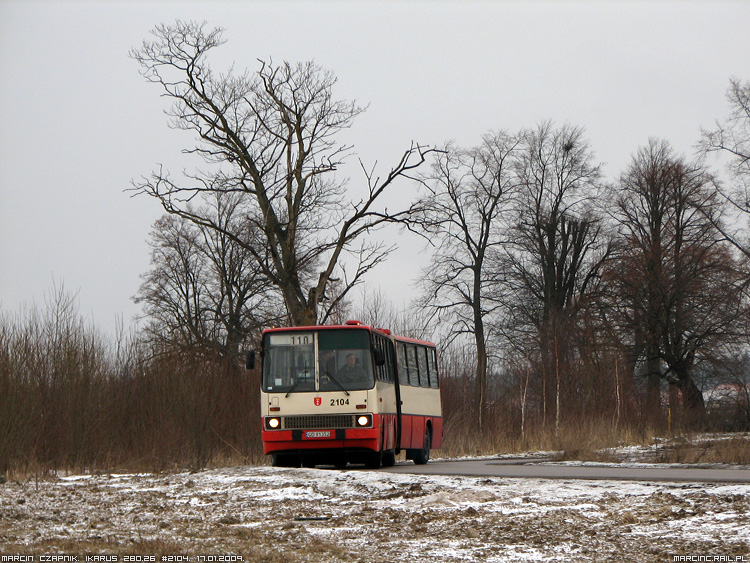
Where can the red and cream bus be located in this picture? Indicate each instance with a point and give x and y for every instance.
(348, 394)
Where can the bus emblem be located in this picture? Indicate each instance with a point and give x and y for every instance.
(318, 401)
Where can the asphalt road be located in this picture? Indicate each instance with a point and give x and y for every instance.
(541, 469)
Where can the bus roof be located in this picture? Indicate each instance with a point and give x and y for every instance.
(348, 326)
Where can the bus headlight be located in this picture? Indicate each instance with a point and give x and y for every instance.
(273, 423)
(364, 420)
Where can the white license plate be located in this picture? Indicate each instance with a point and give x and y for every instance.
(318, 434)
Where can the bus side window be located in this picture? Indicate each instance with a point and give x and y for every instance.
(434, 383)
(386, 371)
(380, 371)
(390, 361)
(411, 362)
(422, 361)
(403, 376)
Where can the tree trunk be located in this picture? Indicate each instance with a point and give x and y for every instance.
(694, 408)
(618, 397)
(481, 371)
(653, 390)
(524, 389)
(301, 312)
(675, 408)
(557, 386)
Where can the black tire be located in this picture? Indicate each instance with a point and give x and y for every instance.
(423, 456)
(374, 460)
(285, 460)
(389, 458)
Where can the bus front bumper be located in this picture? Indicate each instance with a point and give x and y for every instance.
(320, 439)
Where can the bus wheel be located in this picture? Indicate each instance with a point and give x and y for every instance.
(374, 460)
(389, 458)
(285, 460)
(423, 456)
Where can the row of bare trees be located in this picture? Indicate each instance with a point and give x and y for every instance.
(538, 260)
(518, 245)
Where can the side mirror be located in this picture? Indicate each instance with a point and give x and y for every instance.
(250, 359)
(379, 357)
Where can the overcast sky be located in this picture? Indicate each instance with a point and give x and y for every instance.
(78, 122)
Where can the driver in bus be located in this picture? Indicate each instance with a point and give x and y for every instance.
(351, 372)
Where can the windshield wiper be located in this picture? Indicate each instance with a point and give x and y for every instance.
(337, 383)
(292, 388)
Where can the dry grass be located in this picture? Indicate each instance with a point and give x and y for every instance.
(719, 449)
(573, 441)
(599, 442)
(71, 400)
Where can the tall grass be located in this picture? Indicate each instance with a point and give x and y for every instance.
(71, 399)
(597, 409)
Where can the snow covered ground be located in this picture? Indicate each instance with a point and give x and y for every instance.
(297, 515)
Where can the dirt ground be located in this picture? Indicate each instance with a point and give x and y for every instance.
(306, 515)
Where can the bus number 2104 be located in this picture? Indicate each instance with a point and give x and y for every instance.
(339, 402)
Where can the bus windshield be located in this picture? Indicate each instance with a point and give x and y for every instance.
(326, 360)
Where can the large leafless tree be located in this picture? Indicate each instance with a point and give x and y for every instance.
(469, 191)
(678, 280)
(556, 249)
(271, 136)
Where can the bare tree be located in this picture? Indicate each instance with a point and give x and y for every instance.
(173, 289)
(731, 139)
(271, 136)
(205, 291)
(677, 278)
(556, 249)
(643, 209)
(469, 191)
